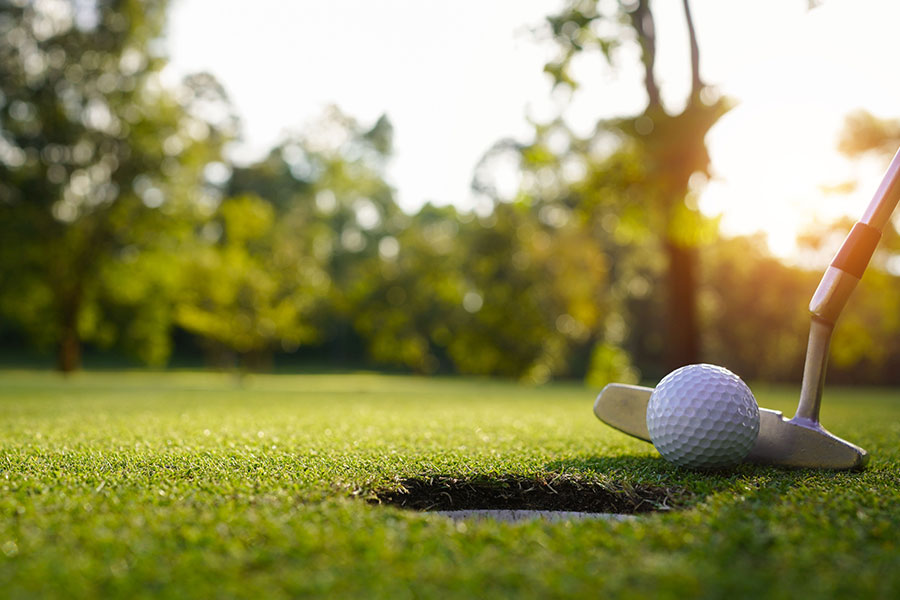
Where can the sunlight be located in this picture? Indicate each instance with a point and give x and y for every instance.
(776, 151)
(480, 74)
(770, 163)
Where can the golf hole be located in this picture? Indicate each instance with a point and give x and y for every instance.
(516, 498)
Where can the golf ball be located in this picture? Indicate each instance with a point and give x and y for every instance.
(703, 417)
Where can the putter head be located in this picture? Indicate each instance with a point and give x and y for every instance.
(796, 442)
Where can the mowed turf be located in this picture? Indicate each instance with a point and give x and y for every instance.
(192, 485)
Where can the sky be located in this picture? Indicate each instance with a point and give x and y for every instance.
(455, 77)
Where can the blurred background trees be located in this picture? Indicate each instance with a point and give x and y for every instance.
(659, 150)
(125, 227)
(100, 173)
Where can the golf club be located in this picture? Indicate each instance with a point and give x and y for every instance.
(800, 441)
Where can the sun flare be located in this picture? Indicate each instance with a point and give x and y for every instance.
(773, 167)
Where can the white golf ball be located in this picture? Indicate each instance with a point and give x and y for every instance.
(703, 417)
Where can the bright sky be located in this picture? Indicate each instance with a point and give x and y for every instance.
(454, 77)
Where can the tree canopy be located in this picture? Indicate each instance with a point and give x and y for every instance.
(125, 226)
(101, 171)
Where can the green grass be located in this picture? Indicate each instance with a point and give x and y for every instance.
(188, 485)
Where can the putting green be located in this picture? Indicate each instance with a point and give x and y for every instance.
(192, 485)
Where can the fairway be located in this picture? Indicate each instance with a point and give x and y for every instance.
(199, 485)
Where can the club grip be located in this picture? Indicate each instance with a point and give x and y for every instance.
(857, 250)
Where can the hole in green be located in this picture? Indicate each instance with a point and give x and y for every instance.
(560, 494)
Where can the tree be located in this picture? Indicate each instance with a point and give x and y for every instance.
(741, 319)
(101, 169)
(411, 295)
(534, 295)
(504, 295)
(248, 291)
(865, 133)
(333, 208)
(655, 153)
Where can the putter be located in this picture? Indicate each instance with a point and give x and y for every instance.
(800, 441)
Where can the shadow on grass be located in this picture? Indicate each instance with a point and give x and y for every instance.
(656, 469)
(746, 482)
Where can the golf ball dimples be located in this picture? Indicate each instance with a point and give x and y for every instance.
(703, 417)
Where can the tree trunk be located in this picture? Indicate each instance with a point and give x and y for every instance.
(696, 82)
(69, 350)
(682, 330)
(69, 354)
(642, 21)
(683, 336)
